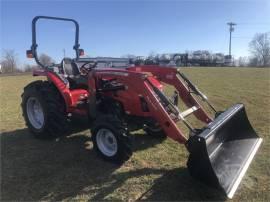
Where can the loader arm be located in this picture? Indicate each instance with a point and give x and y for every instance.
(171, 76)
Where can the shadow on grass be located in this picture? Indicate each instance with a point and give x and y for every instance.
(60, 169)
(177, 185)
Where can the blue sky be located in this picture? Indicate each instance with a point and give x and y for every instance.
(116, 28)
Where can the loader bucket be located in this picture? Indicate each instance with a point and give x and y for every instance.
(222, 152)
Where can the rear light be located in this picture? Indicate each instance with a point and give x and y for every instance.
(81, 52)
(29, 54)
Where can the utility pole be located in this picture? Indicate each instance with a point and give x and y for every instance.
(64, 52)
(231, 29)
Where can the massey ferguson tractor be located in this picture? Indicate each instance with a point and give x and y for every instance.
(120, 100)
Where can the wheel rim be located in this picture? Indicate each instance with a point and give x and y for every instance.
(35, 112)
(106, 142)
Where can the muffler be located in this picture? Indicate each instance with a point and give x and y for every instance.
(221, 154)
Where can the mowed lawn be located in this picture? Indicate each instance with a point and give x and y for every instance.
(67, 168)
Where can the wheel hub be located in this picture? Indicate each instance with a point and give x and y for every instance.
(106, 142)
(35, 112)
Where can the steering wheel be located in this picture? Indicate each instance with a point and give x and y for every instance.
(85, 70)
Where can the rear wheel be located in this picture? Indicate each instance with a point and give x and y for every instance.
(111, 139)
(44, 110)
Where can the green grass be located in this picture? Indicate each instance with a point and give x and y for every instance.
(67, 168)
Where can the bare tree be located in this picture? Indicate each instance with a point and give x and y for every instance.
(152, 54)
(9, 61)
(45, 59)
(260, 49)
(27, 68)
(253, 62)
(242, 61)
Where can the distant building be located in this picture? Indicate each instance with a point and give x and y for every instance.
(191, 58)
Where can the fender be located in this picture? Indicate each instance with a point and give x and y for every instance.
(71, 97)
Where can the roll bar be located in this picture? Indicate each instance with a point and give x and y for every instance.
(32, 53)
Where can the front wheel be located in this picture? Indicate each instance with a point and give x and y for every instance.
(111, 139)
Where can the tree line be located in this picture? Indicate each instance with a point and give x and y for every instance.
(9, 62)
(259, 48)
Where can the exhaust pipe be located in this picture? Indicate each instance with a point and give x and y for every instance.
(221, 154)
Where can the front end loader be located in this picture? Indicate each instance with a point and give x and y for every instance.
(120, 100)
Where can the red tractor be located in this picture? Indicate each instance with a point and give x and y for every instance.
(120, 100)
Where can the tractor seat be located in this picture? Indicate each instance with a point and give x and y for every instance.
(72, 72)
(70, 68)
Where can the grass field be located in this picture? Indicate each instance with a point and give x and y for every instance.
(67, 168)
